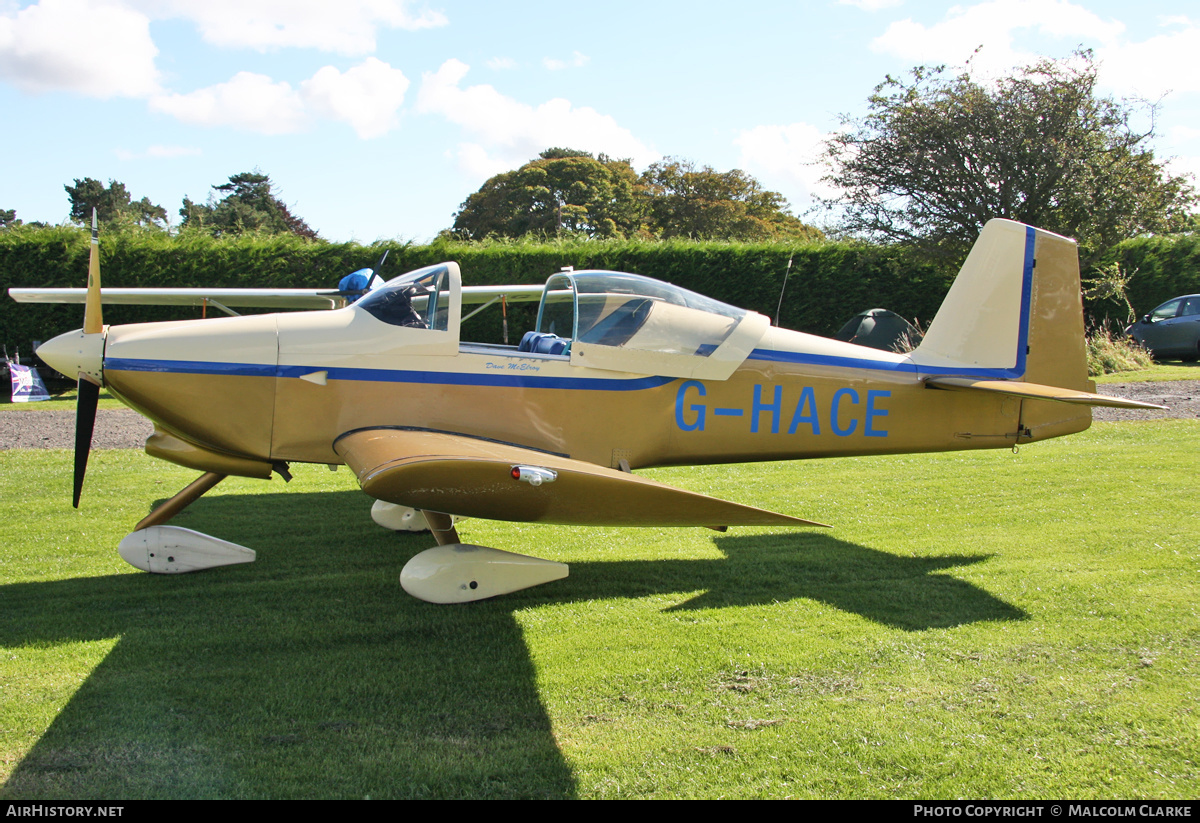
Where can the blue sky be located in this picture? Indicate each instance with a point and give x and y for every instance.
(376, 118)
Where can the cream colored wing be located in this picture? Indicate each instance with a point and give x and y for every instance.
(249, 298)
(472, 477)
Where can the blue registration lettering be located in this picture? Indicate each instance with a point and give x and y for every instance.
(833, 412)
(807, 395)
(757, 407)
(869, 429)
(698, 408)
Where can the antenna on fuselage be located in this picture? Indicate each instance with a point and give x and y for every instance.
(781, 290)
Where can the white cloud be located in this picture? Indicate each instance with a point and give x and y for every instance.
(367, 96)
(1149, 68)
(578, 60)
(871, 5)
(1183, 134)
(91, 47)
(1155, 66)
(253, 102)
(993, 24)
(510, 133)
(475, 161)
(787, 159)
(345, 27)
(501, 63)
(103, 48)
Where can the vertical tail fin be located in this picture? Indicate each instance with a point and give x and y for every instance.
(1015, 313)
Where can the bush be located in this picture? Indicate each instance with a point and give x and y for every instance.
(1108, 353)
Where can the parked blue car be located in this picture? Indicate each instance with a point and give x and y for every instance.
(1172, 331)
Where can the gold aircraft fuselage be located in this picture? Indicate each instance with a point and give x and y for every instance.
(285, 387)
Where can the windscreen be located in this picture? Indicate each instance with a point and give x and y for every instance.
(416, 300)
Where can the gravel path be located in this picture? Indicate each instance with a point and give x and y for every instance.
(126, 429)
(115, 429)
(1181, 397)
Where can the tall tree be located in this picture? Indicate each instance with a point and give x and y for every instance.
(113, 204)
(568, 191)
(562, 191)
(683, 200)
(8, 217)
(248, 203)
(937, 156)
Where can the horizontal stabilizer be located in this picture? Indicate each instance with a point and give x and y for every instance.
(1036, 391)
(480, 478)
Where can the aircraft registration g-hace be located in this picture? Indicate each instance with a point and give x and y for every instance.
(621, 372)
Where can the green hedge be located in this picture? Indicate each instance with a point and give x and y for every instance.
(829, 281)
(1166, 267)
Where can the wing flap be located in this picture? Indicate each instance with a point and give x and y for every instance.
(1036, 391)
(474, 478)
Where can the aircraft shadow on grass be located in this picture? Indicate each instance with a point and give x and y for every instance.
(311, 673)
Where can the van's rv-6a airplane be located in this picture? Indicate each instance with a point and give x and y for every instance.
(621, 372)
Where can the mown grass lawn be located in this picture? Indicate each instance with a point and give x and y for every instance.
(1169, 370)
(976, 625)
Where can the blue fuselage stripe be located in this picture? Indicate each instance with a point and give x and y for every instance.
(191, 367)
(388, 375)
(804, 358)
(906, 366)
(530, 381)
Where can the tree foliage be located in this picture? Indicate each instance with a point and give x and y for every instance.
(113, 205)
(562, 191)
(937, 156)
(248, 204)
(683, 200)
(8, 217)
(571, 192)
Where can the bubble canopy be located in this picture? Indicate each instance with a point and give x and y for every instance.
(632, 323)
(596, 319)
(615, 309)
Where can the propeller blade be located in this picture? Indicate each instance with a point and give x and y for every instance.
(93, 316)
(85, 424)
(88, 392)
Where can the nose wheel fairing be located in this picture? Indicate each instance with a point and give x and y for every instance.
(173, 550)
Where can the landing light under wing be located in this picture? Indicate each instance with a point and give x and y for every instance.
(450, 473)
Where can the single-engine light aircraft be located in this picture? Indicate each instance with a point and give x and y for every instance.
(620, 372)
